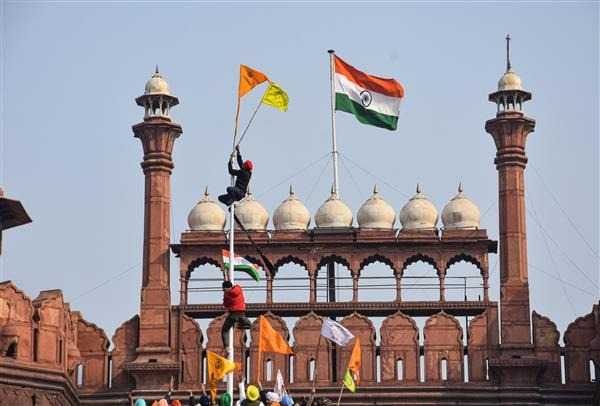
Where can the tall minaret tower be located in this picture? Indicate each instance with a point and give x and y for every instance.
(509, 130)
(157, 133)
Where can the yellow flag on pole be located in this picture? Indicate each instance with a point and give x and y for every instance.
(218, 366)
(276, 97)
(349, 381)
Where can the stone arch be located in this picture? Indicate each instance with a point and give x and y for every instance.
(205, 260)
(191, 348)
(578, 338)
(376, 258)
(334, 258)
(478, 344)
(399, 340)
(125, 341)
(420, 257)
(420, 281)
(298, 288)
(344, 286)
(547, 348)
(92, 344)
(443, 340)
(16, 320)
(376, 272)
(469, 272)
(307, 333)
(362, 327)
(279, 361)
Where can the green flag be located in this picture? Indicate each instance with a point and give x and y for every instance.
(349, 381)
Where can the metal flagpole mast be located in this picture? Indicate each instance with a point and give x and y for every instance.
(232, 280)
(334, 151)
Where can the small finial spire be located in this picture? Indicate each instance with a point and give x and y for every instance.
(291, 190)
(375, 189)
(156, 70)
(206, 191)
(508, 67)
(333, 190)
(460, 187)
(419, 189)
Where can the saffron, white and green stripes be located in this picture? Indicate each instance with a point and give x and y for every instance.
(373, 100)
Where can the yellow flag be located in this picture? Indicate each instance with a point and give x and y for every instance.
(349, 382)
(276, 97)
(218, 366)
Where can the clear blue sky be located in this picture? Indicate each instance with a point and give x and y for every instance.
(71, 71)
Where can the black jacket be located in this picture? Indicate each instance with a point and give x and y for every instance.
(242, 175)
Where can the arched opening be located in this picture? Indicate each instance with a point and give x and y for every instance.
(11, 351)
(311, 369)
(36, 342)
(377, 282)
(59, 354)
(79, 375)
(291, 371)
(420, 282)
(334, 282)
(466, 367)
(399, 369)
(463, 280)
(592, 371)
(291, 284)
(269, 370)
(205, 284)
(444, 369)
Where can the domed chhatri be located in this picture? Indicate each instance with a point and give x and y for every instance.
(252, 214)
(418, 213)
(206, 215)
(334, 213)
(461, 213)
(510, 81)
(157, 85)
(376, 213)
(291, 214)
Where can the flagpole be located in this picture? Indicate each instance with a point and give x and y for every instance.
(334, 151)
(232, 280)
(340, 397)
(259, 372)
(250, 121)
(314, 384)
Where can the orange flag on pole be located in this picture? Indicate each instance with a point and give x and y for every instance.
(354, 363)
(249, 79)
(270, 340)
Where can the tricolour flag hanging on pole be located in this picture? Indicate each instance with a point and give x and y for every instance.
(373, 100)
(242, 264)
(335, 332)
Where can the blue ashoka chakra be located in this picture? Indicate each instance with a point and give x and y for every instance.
(365, 98)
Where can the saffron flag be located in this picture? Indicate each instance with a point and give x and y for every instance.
(355, 358)
(349, 381)
(242, 264)
(249, 79)
(276, 97)
(269, 340)
(218, 367)
(373, 100)
(335, 332)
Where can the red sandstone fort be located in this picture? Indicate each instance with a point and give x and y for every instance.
(505, 354)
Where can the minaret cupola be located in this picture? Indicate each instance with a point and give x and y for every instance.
(157, 99)
(510, 95)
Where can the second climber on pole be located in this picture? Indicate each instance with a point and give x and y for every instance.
(242, 179)
(235, 304)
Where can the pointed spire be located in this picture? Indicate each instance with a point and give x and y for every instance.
(375, 189)
(508, 66)
(156, 70)
(460, 187)
(206, 191)
(291, 190)
(419, 189)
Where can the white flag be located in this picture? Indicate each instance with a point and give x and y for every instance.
(335, 332)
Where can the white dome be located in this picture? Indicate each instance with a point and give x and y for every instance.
(333, 213)
(376, 213)
(510, 81)
(252, 214)
(418, 213)
(461, 213)
(157, 85)
(206, 215)
(291, 214)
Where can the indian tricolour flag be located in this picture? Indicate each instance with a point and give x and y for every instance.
(242, 264)
(373, 100)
